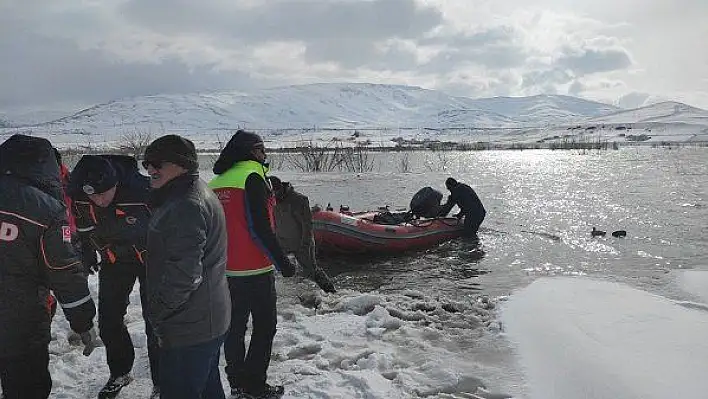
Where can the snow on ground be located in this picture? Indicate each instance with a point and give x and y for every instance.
(583, 338)
(343, 345)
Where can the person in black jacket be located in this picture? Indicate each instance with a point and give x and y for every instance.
(188, 298)
(36, 256)
(109, 201)
(471, 207)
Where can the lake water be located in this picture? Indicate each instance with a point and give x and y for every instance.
(541, 206)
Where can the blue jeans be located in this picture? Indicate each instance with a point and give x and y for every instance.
(191, 372)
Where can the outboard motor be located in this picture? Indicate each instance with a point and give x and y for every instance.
(426, 202)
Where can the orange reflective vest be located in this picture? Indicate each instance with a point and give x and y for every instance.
(244, 256)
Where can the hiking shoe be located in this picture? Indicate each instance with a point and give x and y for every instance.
(114, 385)
(155, 393)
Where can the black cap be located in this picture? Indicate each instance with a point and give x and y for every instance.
(450, 182)
(175, 149)
(93, 174)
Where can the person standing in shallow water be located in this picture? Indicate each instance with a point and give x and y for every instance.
(466, 199)
(293, 227)
(253, 255)
(188, 299)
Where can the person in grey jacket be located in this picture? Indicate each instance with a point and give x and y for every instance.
(189, 305)
(293, 227)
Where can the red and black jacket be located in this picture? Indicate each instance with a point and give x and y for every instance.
(36, 253)
(119, 231)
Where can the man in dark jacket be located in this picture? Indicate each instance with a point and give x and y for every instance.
(470, 206)
(253, 255)
(109, 202)
(188, 297)
(293, 227)
(36, 256)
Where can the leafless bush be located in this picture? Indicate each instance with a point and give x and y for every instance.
(135, 142)
(437, 160)
(314, 158)
(404, 164)
(357, 159)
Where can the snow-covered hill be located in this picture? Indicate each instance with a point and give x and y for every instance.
(380, 113)
(665, 112)
(336, 105)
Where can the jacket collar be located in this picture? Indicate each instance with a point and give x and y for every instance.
(177, 187)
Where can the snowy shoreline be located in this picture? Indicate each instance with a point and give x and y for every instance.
(559, 337)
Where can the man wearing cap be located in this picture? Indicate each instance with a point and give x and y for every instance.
(188, 297)
(109, 201)
(466, 199)
(36, 256)
(253, 255)
(293, 227)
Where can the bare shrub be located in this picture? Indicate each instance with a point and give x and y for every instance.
(357, 159)
(311, 157)
(404, 164)
(135, 142)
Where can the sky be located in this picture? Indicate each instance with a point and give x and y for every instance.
(626, 52)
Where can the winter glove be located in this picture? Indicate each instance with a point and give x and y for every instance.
(90, 341)
(90, 260)
(459, 215)
(287, 268)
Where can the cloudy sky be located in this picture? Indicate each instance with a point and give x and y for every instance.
(87, 51)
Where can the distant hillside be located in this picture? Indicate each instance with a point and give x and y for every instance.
(335, 105)
(665, 112)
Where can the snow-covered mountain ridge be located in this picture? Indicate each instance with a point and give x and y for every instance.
(284, 113)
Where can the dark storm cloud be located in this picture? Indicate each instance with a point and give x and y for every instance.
(38, 69)
(494, 48)
(348, 33)
(586, 61)
(300, 20)
(355, 54)
(546, 79)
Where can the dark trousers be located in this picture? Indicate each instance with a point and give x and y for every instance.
(191, 372)
(472, 223)
(26, 376)
(254, 296)
(115, 283)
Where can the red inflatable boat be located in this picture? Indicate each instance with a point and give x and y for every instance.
(357, 233)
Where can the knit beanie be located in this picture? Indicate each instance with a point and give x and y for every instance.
(175, 149)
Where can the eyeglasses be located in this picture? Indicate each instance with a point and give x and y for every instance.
(259, 148)
(155, 164)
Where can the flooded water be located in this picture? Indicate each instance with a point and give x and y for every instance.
(541, 206)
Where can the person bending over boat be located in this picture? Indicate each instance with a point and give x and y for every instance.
(293, 227)
(466, 199)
